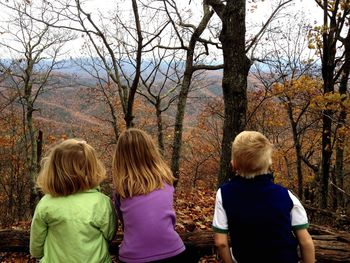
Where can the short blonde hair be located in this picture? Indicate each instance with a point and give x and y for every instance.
(251, 154)
(138, 166)
(69, 167)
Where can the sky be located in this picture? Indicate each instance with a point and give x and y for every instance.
(260, 15)
(309, 7)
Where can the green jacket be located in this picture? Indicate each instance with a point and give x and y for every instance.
(73, 229)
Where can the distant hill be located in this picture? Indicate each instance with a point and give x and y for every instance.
(66, 105)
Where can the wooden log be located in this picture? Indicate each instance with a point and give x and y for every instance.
(331, 246)
(324, 216)
(14, 240)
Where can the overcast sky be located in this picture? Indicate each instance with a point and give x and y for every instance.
(264, 8)
(309, 7)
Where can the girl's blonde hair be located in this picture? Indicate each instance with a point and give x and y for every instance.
(251, 154)
(138, 167)
(69, 167)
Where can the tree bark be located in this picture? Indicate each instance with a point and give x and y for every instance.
(339, 159)
(180, 114)
(328, 66)
(234, 82)
(32, 162)
(160, 134)
(297, 147)
(185, 87)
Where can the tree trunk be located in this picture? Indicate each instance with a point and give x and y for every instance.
(328, 66)
(39, 145)
(299, 171)
(297, 148)
(234, 82)
(114, 121)
(326, 157)
(129, 117)
(181, 107)
(339, 159)
(185, 87)
(160, 129)
(33, 162)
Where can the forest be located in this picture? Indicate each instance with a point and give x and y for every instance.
(193, 74)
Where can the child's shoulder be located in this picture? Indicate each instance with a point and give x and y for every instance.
(104, 198)
(45, 202)
(93, 193)
(231, 182)
(96, 193)
(46, 198)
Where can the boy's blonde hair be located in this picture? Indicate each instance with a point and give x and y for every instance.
(251, 154)
(71, 166)
(138, 167)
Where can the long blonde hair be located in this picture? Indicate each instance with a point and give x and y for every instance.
(138, 167)
(69, 167)
(251, 154)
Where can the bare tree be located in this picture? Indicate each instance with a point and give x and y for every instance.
(116, 51)
(338, 185)
(284, 64)
(160, 86)
(328, 40)
(102, 89)
(34, 50)
(193, 63)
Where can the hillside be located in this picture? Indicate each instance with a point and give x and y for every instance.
(68, 107)
(72, 106)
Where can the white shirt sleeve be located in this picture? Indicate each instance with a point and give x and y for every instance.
(298, 214)
(220, 224)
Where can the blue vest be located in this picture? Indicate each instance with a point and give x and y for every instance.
(258, 213)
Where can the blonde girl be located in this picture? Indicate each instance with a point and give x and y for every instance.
(143, 185)
(73, 222)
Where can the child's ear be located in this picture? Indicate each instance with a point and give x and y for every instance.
(233, 165)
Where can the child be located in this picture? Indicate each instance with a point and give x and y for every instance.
(265, 221)
(73, 222)
(143, 185)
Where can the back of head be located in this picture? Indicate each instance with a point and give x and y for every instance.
(138, 167)
(251, 154)
(71, 166)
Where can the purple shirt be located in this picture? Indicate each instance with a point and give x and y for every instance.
(149, 232)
